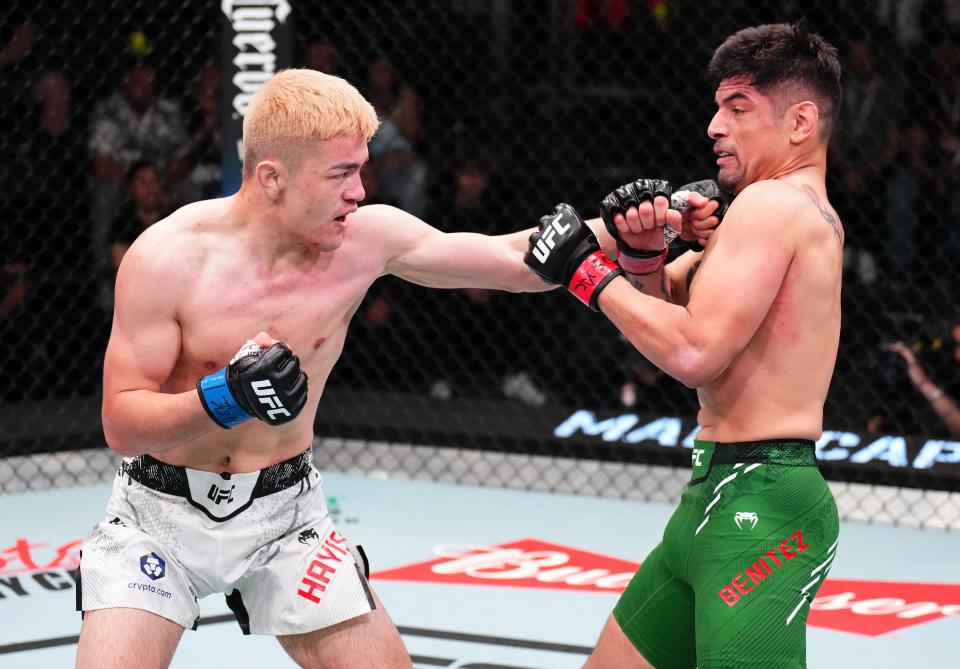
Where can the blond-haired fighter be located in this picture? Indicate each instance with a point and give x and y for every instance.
(229, 316)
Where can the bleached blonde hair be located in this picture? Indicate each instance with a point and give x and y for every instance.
(296, 110)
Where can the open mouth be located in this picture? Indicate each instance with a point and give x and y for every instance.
(724, 158)
(341, 219)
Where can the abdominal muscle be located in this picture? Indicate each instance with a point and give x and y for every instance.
(254, 445)
(769, 392)
(246, 448)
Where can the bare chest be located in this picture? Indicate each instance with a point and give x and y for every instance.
(309, 310)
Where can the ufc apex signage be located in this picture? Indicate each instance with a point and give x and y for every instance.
(256, 43)
(888, 450)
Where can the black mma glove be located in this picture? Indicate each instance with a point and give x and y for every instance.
(565, 251)
(258, 383)
(634, 261)
(710, 190)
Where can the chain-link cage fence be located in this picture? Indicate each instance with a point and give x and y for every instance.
(492, 112)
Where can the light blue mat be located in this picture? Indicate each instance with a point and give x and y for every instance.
(453, 619)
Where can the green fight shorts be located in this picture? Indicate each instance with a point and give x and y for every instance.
(730, 585)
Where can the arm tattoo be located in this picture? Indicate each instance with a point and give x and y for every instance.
(827, 216)
(634, 281)
(693, 270)
(646, 286)
(665, 288)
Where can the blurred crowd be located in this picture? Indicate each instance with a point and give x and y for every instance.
(485, 141)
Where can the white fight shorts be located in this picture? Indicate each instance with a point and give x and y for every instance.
(264, 539)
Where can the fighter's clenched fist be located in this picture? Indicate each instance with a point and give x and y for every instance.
(565, 251)
(638, 216)
(265, 383)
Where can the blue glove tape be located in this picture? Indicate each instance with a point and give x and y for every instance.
(219, 402)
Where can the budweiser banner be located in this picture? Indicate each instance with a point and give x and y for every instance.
(869, 608)
(34, 567)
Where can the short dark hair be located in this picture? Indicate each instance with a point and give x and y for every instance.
(779, 54)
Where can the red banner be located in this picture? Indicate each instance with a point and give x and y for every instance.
(869, 608)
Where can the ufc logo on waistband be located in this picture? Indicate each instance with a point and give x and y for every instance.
(267, 395)
(217, 495)
(542, 250)
(697, 452)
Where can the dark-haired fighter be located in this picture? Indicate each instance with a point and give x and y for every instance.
(753, 324)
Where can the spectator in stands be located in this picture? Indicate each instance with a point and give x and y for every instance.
(15, 287)
(39, 152)
(922, 198)
(863, 145)
(384, 349)
(319, 54)
(907, 200)
(370, 176)
(941, 99)
(492, 366)
(132, 125)
(394, 98)
(50, 336)
(17, 352)
(17, 72)
(148, 201)
(403, 174)
(942, 402)
(204, 148)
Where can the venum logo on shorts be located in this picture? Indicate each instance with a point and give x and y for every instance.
(757, 572)
(326, 561)
(748, 516)
(217, 494)
(153, 566)
(307, 536)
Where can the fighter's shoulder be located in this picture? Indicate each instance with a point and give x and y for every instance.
(388, 225)
(381, 215)
(769, 204)
(772, 194)
(172, 245)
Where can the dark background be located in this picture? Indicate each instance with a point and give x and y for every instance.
(527, 104)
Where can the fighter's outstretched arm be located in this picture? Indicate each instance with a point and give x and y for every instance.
(740, 277)
(426, 256)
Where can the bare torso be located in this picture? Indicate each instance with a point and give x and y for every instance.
(233, 296)
(777, 385)
(199, 284)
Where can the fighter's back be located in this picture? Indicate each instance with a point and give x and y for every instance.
(777, 384)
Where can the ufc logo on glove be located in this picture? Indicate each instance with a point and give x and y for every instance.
(267, 395)
(564, 251)
(546, 242)
(266, 384)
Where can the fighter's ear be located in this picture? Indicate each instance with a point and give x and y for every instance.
(271, 176)
(804, 118)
